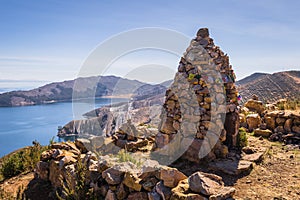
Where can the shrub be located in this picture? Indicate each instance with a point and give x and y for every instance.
(125, 156)
(21, 161)
(242, 138)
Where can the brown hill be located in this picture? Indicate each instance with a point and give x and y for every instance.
(271, 87)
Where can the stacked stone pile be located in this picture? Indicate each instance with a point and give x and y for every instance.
(135, 138)
(277, 125)
(203, 94)
(113, 180)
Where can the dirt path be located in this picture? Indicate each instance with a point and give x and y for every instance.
(276, 177)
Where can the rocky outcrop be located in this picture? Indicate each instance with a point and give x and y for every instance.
(109, 178)
(106, 120)
(200, 100)
(277, 125)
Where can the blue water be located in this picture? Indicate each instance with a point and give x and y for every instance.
(19, 126)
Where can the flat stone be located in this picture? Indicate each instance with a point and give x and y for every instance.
(264, 133)
(231, 167)
(255, 157)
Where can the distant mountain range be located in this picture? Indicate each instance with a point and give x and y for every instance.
(268, 87)
(97, 86)
(271, 87)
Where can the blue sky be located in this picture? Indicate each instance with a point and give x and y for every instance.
(49, 40)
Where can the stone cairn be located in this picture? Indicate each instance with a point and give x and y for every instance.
(203, 93)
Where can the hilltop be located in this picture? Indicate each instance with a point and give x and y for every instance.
(84, 87)
(271, 87)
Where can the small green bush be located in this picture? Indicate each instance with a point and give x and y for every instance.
(21, 161)
(125, 156)
(242, 140)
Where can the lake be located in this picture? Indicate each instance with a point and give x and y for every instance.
(19, 126)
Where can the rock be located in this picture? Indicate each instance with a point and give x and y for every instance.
(254, 105)
(181, 192)
(270, 122)
(132, 181)
(153, 196)
(264, 133)
(288, 125)
(138, 195)
(203, 32)
(231, 167)
(83, 145)
(113, 176)
(110, 195)
(171, 176)
(163, 191)
(104, 163)
(255, 157)
(54, 173)
(224, 193)
(210, 185)
(248, 150)
(253, 120)
(161, 140)
(122, 192)
(46, 155)
(296, 129)
(67, 160)
(149, 183)
(42, 170)
(279, 129)
(135, 145)
(280, 121)
(202, 184)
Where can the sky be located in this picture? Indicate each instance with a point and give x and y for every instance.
(50, 40)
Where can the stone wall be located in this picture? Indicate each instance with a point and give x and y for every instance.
(269, 122)
(201, 99)
(105, 177)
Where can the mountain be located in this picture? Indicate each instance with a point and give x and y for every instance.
(95, 86)
(271, 87)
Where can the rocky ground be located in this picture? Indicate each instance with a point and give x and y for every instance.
(276, 176)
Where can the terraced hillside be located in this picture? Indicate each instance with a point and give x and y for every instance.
(271, 87)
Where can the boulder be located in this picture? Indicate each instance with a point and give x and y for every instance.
(231, 167)
(253, 121)
(264, 133)
(209, 185)
(288, 125)
(42, 170)
(132, 181)
(256, 106)
(113, 176)
(55, 173)
(270, 122)
(83, 145)
(181, 192)
(171, 176)
(255, 157)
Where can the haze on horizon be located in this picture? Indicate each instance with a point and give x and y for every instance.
(49, 40)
